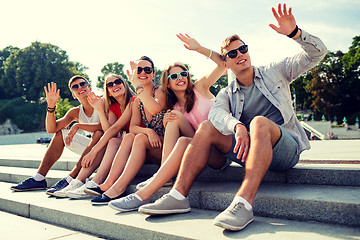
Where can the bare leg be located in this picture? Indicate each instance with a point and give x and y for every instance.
(134, 164)
(264, 134)
(53, 153)
(172, 133)
(196, 155)
(167, 170)
(119, 162)
(105, 165)
(94, 139)
(85, 172)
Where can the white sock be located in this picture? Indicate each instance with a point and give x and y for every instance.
(175, 194)
(138, 197)
(242, 200)
(38, 177)
(69, 178)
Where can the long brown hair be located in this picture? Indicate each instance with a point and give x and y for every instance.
(109, 100)
(171, 98)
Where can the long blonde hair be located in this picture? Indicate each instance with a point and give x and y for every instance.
(109, 100)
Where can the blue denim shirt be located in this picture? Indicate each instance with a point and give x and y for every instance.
(274, 82)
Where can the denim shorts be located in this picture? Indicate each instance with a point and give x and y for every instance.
(284, 153)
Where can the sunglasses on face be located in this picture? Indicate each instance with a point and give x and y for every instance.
(116, 82)
(147, 70)
(233, 53)
(175, 76)
(75, 87)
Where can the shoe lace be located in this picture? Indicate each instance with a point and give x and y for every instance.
(26, 181)
(236, 207)
(129, 198)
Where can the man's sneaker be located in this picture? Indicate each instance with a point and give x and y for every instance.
(29, 184)
(167, 204)
(235, 217)
(146, 182)
(126, 204)
(79, 192)
(74, 184)
(57, 186)
(94, 191)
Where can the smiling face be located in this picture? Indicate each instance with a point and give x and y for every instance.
(241, 62)
(181, 83)
(144, 77)
(115, 90)
(79, 91)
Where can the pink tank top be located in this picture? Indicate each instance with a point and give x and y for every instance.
(199, 112)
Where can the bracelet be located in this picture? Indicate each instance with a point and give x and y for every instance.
(210, 54)
(293, 33)
(51, 110)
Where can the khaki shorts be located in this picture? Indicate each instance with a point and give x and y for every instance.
(78, 144)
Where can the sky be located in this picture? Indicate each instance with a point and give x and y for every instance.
(95, 33)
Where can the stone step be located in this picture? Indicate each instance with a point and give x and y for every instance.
(104, 222)
(330, 204)
(26, 227)
(320, 174)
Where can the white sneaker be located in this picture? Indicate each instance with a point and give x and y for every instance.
(79, 193)
(74, 184)
(144, 183)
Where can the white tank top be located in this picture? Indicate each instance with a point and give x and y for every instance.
(85, 119)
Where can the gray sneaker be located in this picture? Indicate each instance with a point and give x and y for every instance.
(166, 205)
(235, 217)
(127, 204)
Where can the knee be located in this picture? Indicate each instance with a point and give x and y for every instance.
(206, 130)
(259, 126)
(140, 139)
(97, 135)
(184, 141)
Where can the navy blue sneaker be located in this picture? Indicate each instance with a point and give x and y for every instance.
(29, 184)
(104, 200)
(57, 186)
(94, 191)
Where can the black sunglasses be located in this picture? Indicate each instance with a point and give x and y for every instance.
(147, 70)
(75, 87)
(233, 53)
(175, 76)
(116, 82)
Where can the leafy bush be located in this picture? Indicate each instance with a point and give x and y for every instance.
(27, 116)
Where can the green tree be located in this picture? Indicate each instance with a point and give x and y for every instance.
(4, 54)
(351, 64)
(219, 84)
(62, 106)
(31, 68)
(115, 67)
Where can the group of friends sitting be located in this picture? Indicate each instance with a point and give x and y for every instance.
(181, 127)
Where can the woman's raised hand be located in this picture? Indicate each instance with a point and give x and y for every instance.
(96, 101)
(189, 42)
(132, 76)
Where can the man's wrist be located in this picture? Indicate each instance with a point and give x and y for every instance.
(238, 125)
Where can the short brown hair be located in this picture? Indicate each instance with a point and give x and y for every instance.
(76, 77)
(226, 43)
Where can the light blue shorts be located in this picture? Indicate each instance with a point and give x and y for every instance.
(284, 153)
